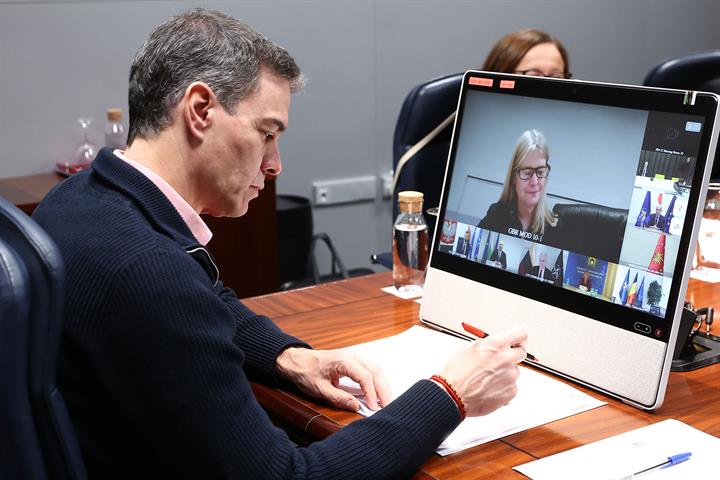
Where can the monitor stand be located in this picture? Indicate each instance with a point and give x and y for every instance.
(699, 349)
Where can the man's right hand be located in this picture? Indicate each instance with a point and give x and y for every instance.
(485, 374)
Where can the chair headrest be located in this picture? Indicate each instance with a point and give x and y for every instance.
(589, 214)
(27, 237)
(425, 107)
(688, 71)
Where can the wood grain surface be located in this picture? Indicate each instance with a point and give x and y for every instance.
(353, 311)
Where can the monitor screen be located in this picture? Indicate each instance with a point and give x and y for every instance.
(579, 204)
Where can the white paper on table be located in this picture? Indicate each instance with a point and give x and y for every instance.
(405, 292)
(420, 352)
(706, 274)
(633, 451)
(709, 239)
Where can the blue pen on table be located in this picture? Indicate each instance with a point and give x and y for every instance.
(673, 460)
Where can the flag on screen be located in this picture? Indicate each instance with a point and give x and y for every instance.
(497, 242)
(525, 264)
(657, 262)
(448, 232)
(476, 243)
(557, 272)
(669, 215)
(624, 289)
(643, 217)
(486, 250)
(639, 297)
(632, 292)
(472, 242)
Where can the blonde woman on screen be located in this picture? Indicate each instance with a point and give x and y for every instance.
(522, 206)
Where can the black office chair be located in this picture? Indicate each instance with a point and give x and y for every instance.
(688, 72)
(297, 247)
(425, 107)
(20, 453)
(43, 432)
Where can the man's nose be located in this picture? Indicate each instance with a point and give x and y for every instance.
(272, 162)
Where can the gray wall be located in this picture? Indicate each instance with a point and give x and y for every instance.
(63, 59)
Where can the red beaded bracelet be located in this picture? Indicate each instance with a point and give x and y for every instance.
(452, 392)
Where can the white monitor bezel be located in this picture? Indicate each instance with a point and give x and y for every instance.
(617, 362)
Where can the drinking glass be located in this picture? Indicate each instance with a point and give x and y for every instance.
(87, 150)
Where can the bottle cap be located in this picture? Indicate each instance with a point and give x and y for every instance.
(410, 201)
(114, 114)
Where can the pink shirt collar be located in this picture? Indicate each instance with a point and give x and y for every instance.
(192, 219)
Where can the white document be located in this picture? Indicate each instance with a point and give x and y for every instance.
(622, 455)
(404, 292)
(420, 352)
(706, 274)
(709, 240)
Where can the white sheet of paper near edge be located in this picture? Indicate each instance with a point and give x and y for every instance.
(633, 451)
(405, 359)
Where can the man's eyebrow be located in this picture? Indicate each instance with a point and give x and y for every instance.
(278, 123)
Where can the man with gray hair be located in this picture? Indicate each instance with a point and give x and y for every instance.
(157, 354)
(540, 270)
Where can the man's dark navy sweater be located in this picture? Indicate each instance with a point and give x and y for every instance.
(157, 355)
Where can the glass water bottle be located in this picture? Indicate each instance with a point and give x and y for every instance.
(115, 136)
(410, 243)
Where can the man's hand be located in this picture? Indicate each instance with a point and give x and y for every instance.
(318, 373)
(485, 373)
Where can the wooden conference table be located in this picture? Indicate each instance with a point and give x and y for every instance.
(354, 311)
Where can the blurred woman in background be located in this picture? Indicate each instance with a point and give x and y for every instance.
(529, 52)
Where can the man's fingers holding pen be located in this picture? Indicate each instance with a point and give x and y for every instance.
(485, 374)
(513, 338)
(512, 342)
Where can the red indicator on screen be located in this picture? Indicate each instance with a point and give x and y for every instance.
(483, 82)
(507, 83)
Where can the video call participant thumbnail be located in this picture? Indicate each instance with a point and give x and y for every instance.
(657, 219)
(541, 271)
(463, 244)
(522, 207)
(585, 281)
(499, 257)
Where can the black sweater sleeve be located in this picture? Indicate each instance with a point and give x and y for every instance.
(258, 337)
(175, 357)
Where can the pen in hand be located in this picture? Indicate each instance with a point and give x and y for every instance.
(482, 334)
(673, 460)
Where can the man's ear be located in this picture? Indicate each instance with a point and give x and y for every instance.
(198, 109)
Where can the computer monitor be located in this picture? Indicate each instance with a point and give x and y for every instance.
(571, 209)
